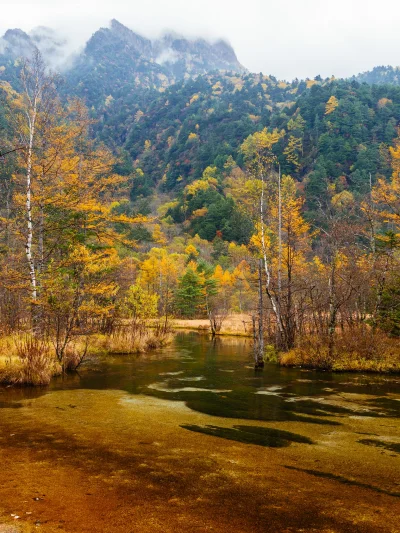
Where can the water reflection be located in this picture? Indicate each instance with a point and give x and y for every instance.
(216, 377)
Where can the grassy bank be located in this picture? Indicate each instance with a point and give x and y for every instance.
(234, 325)
(26, 360)
(354, 351)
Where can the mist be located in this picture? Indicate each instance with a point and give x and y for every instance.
(294, 39)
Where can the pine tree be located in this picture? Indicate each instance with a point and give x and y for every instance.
(189, 295)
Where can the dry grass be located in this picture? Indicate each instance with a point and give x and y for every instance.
(10, 368)
(238, 325)
(37, 361)
(26, 360)
(356, 350)
(10, 363)
(130, 341)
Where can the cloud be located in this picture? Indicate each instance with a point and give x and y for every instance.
(287, 39)
(3, 45)
(167, 56)
(56, 48)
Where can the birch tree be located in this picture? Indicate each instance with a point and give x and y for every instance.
(31, 110)
(260, 159)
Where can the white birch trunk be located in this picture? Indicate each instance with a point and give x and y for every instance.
(29, 240)
(272, 299)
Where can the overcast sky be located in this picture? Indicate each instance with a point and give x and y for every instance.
(292, 38)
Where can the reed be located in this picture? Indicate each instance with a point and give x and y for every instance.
(356, 350)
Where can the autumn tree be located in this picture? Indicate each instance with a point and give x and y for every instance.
(159, 274)
(31, 111)
(64, 209)
(384, 209)
(291, 235)
(331, 105)
(257, 150)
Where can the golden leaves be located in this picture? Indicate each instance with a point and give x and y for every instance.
(260, 143)
(383, 102)
(293, 151)
(331, 105)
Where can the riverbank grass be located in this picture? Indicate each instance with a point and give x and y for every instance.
(354, 351)
(128, 341)
(28, 360)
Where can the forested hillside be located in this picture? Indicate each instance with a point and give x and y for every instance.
(137, 189)
(334, 134)
(333, 130)
(380, 76)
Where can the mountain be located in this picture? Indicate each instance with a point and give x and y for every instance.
(202, 122)
(194, 123)
(116, 59)
(380, 76)
(172, 107)
(184, 57)
(16, 44)
(178, 55)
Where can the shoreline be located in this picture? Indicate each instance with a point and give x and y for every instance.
(298, 357)
(11, 367)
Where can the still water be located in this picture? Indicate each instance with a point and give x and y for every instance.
(216, 438)
(217, 377)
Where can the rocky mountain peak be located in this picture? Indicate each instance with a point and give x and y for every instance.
(141, 44)
(195, 56)
(17, 43)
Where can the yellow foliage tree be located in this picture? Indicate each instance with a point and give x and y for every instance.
(331, 105)
(293, 151)
(67, 218)
(158, 235)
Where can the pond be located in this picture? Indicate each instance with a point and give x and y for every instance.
(192, 438)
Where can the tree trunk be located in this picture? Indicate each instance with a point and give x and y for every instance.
(259, 363)
(332, 312)
(29, 239)
(272, 299)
